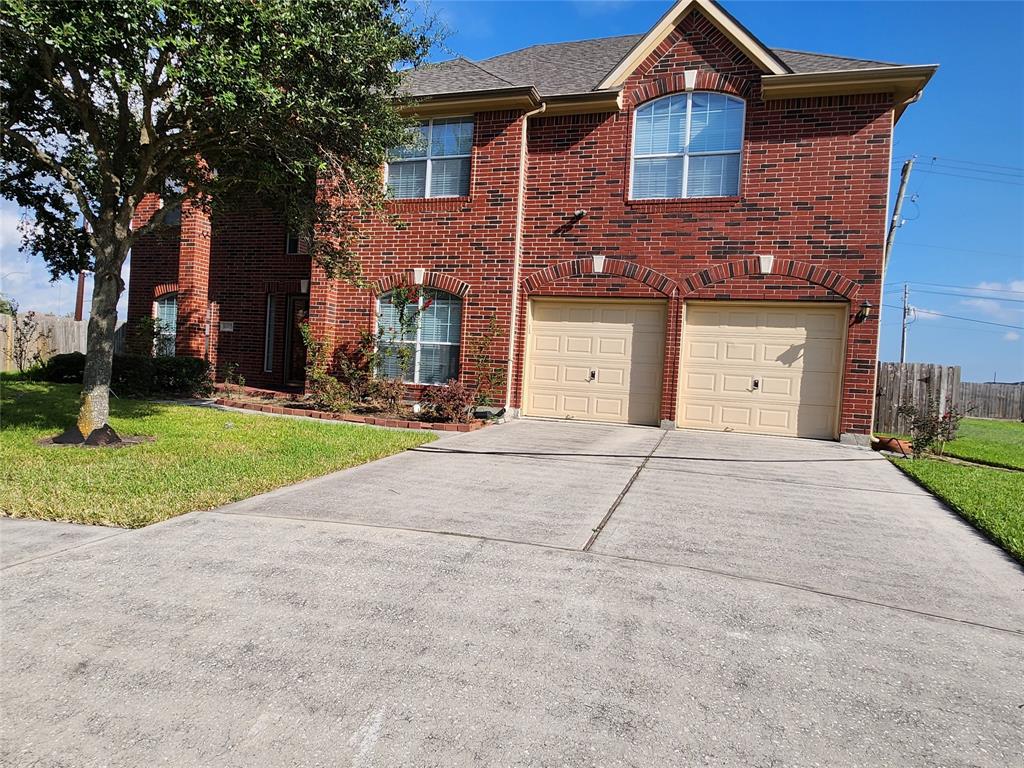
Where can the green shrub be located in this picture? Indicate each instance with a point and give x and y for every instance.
(63, 369)
(137, 375)
(449, 402)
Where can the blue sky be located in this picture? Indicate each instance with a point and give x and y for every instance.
(965, 211)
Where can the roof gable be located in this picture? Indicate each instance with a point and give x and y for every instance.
(752, 48)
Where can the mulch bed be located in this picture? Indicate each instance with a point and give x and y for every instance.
(125, 442)
(355, 418)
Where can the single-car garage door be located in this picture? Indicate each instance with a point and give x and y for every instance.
(773, 369)
(595, 360)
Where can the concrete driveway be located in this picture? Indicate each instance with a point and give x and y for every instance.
(535, 594)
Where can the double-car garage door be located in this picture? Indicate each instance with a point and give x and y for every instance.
(763, 368)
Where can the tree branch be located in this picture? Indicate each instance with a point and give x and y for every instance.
(57, 169)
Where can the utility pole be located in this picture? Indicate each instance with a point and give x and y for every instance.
(906, 313)
(895, 223)
(80, 296)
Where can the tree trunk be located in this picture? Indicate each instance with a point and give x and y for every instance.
(99, 356)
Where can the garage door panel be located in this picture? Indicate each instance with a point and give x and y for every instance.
(734, 416)
(621, 342)
(702, 350)
(740, 351)
(583, 344)
(608, 408)
(611, 346)
(818, 388)
(775, 418)
(694, 381)
(782, 386)
(736, 383)
(546, 373)
(795, 353)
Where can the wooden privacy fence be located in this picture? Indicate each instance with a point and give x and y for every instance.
(60, 335)
(912, 384)
(993, 401)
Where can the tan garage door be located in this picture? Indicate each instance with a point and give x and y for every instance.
(595, 360)
(772, 369)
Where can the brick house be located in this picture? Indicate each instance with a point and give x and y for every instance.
(681, 227)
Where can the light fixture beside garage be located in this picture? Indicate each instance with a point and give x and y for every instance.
(863, 313)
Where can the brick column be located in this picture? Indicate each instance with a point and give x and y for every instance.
(193, 281)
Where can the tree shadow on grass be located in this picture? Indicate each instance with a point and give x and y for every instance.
(55, 407)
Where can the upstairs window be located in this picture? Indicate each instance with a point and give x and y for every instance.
(431, 348)
(687, 145)
(435, 161)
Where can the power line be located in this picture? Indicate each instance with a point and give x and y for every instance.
(947, 285)
(970, 296)
(998, 170)
(957, 317)
(965, 250)
(941, 159)
(985, 172)
(972, 178)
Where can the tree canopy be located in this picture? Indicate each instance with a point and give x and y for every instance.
(106, 101)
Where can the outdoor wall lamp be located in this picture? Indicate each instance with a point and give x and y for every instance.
(863, 313)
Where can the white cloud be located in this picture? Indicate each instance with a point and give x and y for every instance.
(1011, 336)
(997, 307)
(10, 237)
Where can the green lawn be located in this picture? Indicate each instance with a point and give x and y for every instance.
(1000, 443)
(991, 499)
(201, 458)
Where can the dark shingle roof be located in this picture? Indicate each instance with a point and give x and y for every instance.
(454, 76)
(561, 69)
(803, 62)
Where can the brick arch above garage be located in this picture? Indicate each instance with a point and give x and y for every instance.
(789, 270)
(598, 266)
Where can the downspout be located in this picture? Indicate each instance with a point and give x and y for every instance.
(518, 257)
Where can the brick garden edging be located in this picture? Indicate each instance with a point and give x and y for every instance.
(350, 417)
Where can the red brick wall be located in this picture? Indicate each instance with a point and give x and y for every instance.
(247, 261)
(154, 268)
(813, 194)
(471, 239)
(814, 183)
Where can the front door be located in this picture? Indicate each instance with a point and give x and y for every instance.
(294, 347)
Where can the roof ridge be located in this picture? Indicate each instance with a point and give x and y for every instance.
(836, 56)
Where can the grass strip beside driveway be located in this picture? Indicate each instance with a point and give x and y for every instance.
(1000, 443)
(201, 458)
(991, 499)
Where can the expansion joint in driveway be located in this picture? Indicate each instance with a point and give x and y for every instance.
(622, 494)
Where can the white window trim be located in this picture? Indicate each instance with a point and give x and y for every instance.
(430, 161)
(686, 153)
(418, 343)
